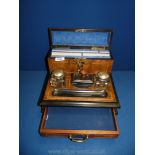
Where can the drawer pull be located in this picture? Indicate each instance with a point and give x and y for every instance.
(78, 138)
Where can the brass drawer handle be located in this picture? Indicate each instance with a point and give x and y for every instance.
(78, 138)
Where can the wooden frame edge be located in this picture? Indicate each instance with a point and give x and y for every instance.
(90, 133)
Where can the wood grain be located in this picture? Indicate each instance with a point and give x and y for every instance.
(92, 66)
(49, 97)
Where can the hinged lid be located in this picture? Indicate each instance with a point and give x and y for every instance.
(95, 39)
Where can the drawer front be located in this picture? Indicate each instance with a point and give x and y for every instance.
(79, 124)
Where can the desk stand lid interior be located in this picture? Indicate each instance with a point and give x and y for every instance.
(85, 43)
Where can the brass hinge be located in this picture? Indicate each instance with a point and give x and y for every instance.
(98, 48)
(80, 30)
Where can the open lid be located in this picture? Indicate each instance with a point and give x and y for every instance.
(80, 38)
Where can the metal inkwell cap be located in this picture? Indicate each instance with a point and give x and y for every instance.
(103, 75)
(58, 73)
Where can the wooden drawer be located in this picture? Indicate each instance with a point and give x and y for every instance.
(79, 124)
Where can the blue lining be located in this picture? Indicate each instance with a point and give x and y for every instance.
(80, 118)
(80, 38)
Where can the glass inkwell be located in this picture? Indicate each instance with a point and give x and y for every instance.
(102, 80)
(57, 78)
